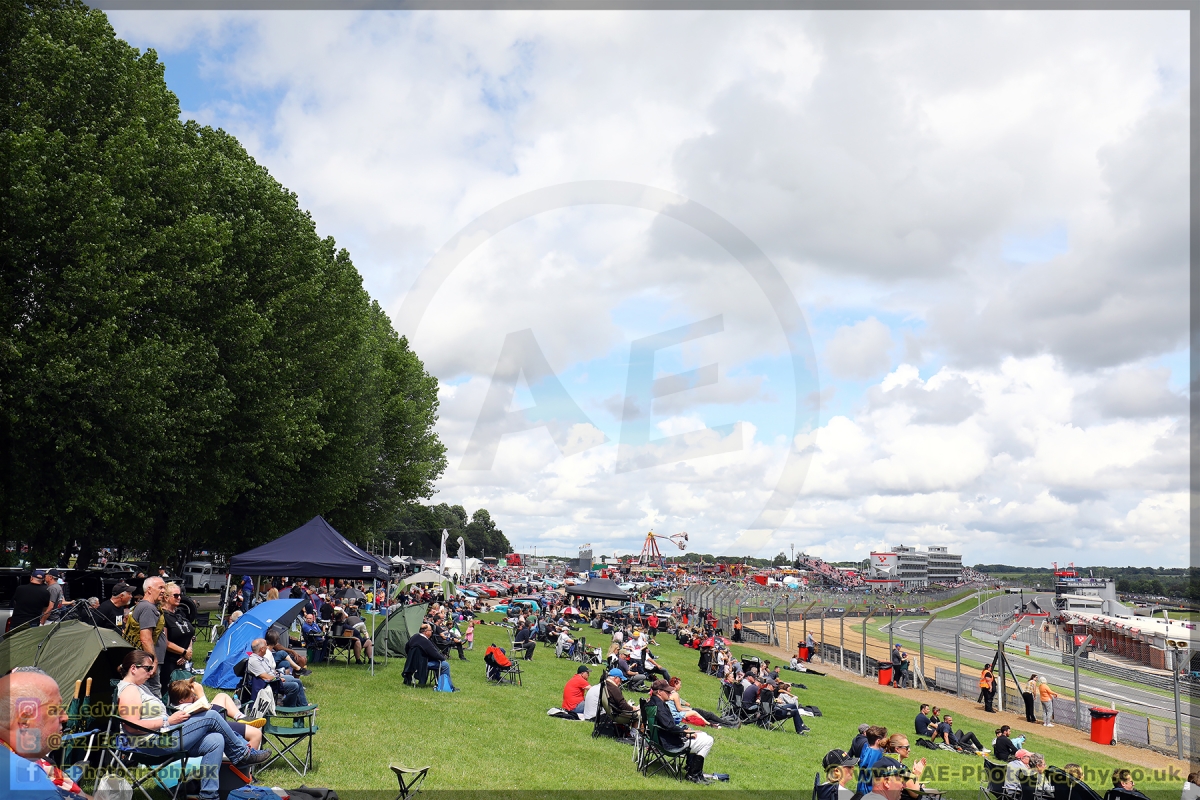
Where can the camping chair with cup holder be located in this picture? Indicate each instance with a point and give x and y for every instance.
(410, 780)
(144, 771)
(657, 754)
(289, 734)
(203, 624)
(341, 643)
(745, 715)
(992, 787)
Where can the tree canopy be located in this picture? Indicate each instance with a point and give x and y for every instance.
(418, 530)
(184, 361)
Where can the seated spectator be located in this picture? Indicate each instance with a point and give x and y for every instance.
(675, 737)
(897, 749)
(1003, 748)
(922, 724)
(960, 740)
(860, 741)
(421, 640)
(839, 771)
(621, 711)
(29, 727)
(352, 625)
(1016, 772)
(287, 660)
(766, 698)
(687, 712)
(651, 668)
(887, 782)
(288, 690)
(185, 692)
(871, 753)
(563, 645)
(526, 639)
(1123, 788)
(1191, 788)
(207, 736)
(314, 638)
(575, 692)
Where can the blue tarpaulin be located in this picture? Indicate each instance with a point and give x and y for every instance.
(234, 644)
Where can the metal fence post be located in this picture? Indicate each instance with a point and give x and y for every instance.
(921, 638)
(1178, 652)
(1078, 651)
(958, 657)
(823, 610)
(787, 625)
(842, 637)
(863, 659)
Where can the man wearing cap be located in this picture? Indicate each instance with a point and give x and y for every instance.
(576, 690)
(622, 713)
(31, 601)
(839, 771)
(675, 737)
(860, 741)
(888, 780)
(53, 583)
(113, 609)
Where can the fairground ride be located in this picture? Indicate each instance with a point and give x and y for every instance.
(651, 555)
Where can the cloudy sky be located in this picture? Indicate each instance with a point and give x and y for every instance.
(822, 280)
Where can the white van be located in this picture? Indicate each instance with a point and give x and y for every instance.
(202, 576)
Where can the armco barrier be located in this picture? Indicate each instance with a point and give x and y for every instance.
(1136, 675)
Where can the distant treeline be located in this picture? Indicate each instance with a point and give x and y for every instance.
(1175, 582)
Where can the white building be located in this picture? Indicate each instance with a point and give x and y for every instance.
(944, 567)
(903, 567)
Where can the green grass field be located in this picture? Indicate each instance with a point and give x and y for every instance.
(487, 737)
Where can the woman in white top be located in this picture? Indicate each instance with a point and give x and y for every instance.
(206, 735)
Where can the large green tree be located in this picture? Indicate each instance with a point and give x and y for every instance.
(184, 362)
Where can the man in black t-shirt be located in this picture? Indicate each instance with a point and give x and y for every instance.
(31, 601)
(113, 609)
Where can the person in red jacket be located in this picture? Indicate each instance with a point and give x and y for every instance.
(575, 690)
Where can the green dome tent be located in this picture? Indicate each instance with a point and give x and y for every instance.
(69, 651)
(402, 623)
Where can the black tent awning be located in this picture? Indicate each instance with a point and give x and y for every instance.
(313, 550)
(604, 588)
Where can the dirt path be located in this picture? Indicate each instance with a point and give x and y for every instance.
(969, 709)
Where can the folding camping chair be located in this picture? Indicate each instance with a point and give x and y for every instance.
(410, 780)
(992, 787)
(341, 644)
(287, 730)
(203, 625)
(823, 791)
(766, 717)
(604, 725)
(120, 756)
(656, 753)
(498, 674)
(725, 702)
